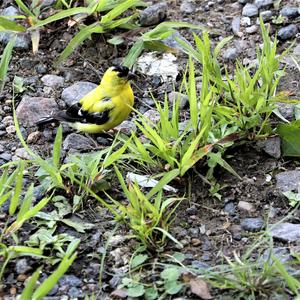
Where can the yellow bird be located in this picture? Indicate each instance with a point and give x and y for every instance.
(103, 108)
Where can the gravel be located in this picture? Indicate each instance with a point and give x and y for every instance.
(288, 180)
(250, 10)
(252, 224)
(154, 14)
(287, 32)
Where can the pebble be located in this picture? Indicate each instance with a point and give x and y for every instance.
(236, 232)
(53, 80)
(286, 232)
(40, 69)
(194, 232)
(245, 21)
(282, 254)
(126, 127)
(230, 54)
(21, 153)
(153, 14)
(252, 29)
(271, 146)
(287, 110)
(153, 115)
(246, 206)
(266, 15)
(288, 180)
(11, 129)
(32, 109)
(287, 32)
(289, 12)
(195, 242)
(78, 142)
(176, 96)
(187, 7)
(33, 137)
(197, 264)
(70, 280)
(252, 224)
(250, 10)
(22, 40)
(296, 51)
(230, 208)
(236, 26)
(75, 92)
(1, 148)
(263, 3)
(22, 266)
(244, 1)
(5, 156)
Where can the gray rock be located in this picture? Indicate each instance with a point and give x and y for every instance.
(11, 129)
(252, 29)
(244, 1)
(5, 156)
(32, 109)
(287, 32)
(250, 10)
(266, 15)
(236, 26)
(75, 141)
(289, 12)
(286, 232)
(75, 293)
(272, 146)
(176, 96)
(252, 224)
(154, 14)
(187, 7)
(197, 264)
(22, 40)
(22, 266)
(53, 80)
(1, 148)
(245, 21)
(126, 127)
(70, 280)
(41, 68)
(171, 41)
(287, 110)
(47, 3)
(288, 180)
(153, 115)
(296, 51)
(263, 3)
(21, 153)
(246, 206)
(231, 54)
(75, 92)
(230, 208)
(282, 254)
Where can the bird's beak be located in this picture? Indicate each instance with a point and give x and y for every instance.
(131, 76)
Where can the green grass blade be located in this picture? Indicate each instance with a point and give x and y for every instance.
(30, 285)
(8, 25)
(5, 59)
(24, 8)
(25, 207)
(57, 147)
(134, 52)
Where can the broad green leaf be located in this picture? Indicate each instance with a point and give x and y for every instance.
(290, 135)
(78, 225)
(170, 274)
(136, 291)
(138, 260)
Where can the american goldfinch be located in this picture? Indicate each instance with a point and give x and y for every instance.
(103, 108)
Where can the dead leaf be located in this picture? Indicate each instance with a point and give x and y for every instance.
(198, 286)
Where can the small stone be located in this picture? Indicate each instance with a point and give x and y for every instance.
(230, 208)
(153, 14)
(263, 3)
(230, 54)
(288, 181)
(195, 242)
(287, 32)
(246, 206)
(22, 266)
(236, 232)
(21, 153)
(199, 265)
(153, 115)
(1, 148)
(116, 240)
(287, 110)
(75, 92)
(187, 7)
(296, 51)
(22, 277)
(266, 15)
(244, 1)
(236, 26)
(70, 280)
(252, 224)
(126, 127)
(250, 10)
(289, 12)
(33, 137)
(176, 96)
(32, 109)
(282, 254)
(194, 232)
(78, 142)
(53, 80)
(41, 69)
(286, 232)
(75, 293)
(5, 156)
(7, 121)
(252, 29)
(11, 129)
(271, 146)
(245, 21)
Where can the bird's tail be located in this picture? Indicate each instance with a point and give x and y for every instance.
(46, 120)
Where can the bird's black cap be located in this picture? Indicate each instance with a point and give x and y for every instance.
(122, 71)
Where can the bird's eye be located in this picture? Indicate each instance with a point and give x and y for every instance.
(122, 70)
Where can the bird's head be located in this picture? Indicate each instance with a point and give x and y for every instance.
(117, 76)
